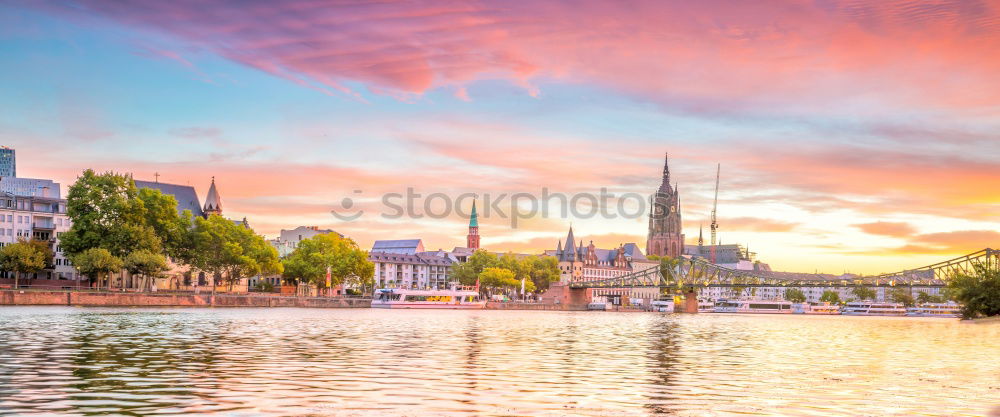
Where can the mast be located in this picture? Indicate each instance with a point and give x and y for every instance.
(715, 205)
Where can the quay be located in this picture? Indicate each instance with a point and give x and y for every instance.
(131, 299)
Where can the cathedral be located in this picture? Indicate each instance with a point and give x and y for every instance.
(665, 237)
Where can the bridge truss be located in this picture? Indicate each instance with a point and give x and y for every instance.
(696, 272)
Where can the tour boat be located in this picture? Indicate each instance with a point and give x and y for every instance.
(935, 310)
(753, 306)
(705, 306)
(457, 299)
(806, 308)
(867, 308)
(662, 306)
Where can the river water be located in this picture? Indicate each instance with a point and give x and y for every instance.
(360, 362)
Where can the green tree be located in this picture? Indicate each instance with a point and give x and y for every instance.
(795, 295)
(106, 213)
(498, 278)
(466, 273)
(97, 262)
(160, 213)
(23, 257)
(225, 249)
(864, 293)
(346, 262)
(902, 296)
(544, 271)
(925, 298)
(831, 297)
(147, 265)
(977, 291)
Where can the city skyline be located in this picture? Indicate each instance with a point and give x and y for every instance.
(877, 149)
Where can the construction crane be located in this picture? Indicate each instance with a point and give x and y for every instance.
(715, 205)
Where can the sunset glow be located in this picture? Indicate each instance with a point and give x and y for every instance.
(853, 136)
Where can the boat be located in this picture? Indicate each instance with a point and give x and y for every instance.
(662, 306)
(935, 310)
(868, 308)
(599, 306)
(455, 299)
(705, 306)
(823, 309)
(753, 306)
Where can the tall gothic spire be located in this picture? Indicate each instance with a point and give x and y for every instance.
(701, 240)
(213, 204)
(472, 239)
(665, 184)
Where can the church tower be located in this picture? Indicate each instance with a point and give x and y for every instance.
(665, 237)
(472, 240)
(213, 204)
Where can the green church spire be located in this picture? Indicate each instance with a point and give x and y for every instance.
(474, 218)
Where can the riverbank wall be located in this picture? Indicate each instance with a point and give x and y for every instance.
(525, 306)
(119, 299)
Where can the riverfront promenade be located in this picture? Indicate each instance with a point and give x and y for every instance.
(127, 299)
(131, 299)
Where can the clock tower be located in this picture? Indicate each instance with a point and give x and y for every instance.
(665, 237)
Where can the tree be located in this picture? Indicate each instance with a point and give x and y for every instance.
(225, 249)
(23, 257)
(466, 273)
(146, 264)
(977, 291)
(95, 262)
(795, 295)
(498, 278)
(160, 213)
(106, 213)
(346, 262)
(902, 296)
(831, 297)
(544, 271)
(864, 293)
(925, 298)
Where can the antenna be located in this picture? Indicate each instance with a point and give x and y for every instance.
(715, 205)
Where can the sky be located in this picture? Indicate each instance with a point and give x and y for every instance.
(853, 136)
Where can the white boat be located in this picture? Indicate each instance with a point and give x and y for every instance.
(935, 310)
(806, 308)
(662, 306)
(705, 306)
(460, 299)
(753, 306)
(868, 308)
(599, 306)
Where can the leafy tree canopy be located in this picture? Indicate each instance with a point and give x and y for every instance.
(977, 291)
(347, 262)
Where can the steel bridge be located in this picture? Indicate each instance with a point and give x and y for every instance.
(698, 273)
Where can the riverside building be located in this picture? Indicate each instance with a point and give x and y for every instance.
(42, 219)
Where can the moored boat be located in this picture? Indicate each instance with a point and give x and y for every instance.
(455, 299)
(753, 306)
(935, 310)
(821, 309)
(662, 306)
(868, 308)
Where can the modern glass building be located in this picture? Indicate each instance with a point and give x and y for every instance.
(7, 166)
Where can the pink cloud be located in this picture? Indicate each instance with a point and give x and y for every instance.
(699, 55)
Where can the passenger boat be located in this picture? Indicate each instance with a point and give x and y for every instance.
(824, 309)
(935, 310)
(662, 306)
(754, 306)
(867, 308)
(460, 299)
(705, 306)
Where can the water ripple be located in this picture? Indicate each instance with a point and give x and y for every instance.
(249, 362)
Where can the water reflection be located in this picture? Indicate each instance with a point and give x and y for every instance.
(376, 362)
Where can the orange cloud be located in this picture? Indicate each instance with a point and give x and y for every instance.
(891, 229)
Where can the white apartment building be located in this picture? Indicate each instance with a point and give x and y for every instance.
(423, 270)
(40, 219)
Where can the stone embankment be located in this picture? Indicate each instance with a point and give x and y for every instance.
(124, 299)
